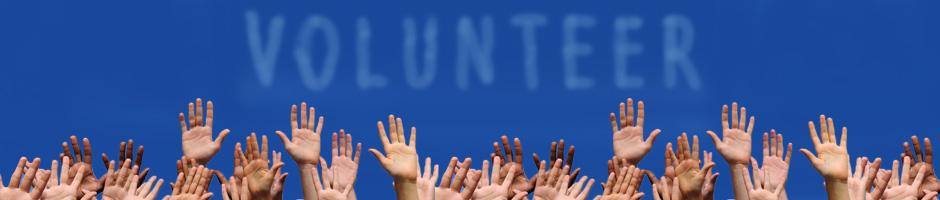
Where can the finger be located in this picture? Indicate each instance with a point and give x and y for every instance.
(928, 151)
(812, 158)
(629, 112)
(17, 173)
(724, 117)
(382, 136)
(743, 118)
(293, 118)
(767, 148)
(30, 175)
(303, 116)
(198, 112)
(414, 134)
(401, 130)
(714, 137)
(552, 154)
(812, 132)
(734, 115)
(192, 116)
(640, 114)
(917, 153)
(845, 135)
(448, 173)
(221, 138)
(623, 116)
(824, 129)
(613, 123)
(508, 150)
(518, 146)
(76, 149)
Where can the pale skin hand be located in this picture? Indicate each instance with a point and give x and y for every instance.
(708, 189)
(628, 137)
(547, 181)
(260, 177)
(489, 188)
(329, 190)
(123, 184)
(117, 181)
(758, 190)
(21, 191)
(667, 190)
(401, 161)
(427, 181)
(623, 185)
(190, 185)
(235, 190)
(735, 148)
(905, 188)
(129, 146)
(833, 160)
(926, 161)
(452, 190)
(559, 147)
(344, 163)
(574, 192)
(691, 177)
(89, 181)
(775, 166)
(197, 139)
(860, 182)
(277, 189)
(304, 145)
(63, 190)
(513, 159)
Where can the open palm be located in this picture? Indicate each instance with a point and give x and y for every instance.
(197, 139)
(736, 145)
(304, 146)
(401, 160)
(628, 134)
(832, 161)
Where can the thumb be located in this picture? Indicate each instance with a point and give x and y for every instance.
(809, 155)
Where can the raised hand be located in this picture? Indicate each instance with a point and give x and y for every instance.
(574, 192)
(117, 181)
(667, 189)
(343, 162)
(328, 188)
(189, 186)
(863, 178)
(304, 146)
(183, 165)
(623, 185)
(512, 159)
(255, 160)
(906, 188)
(758, 190)
(89, 181)
(708, 189)
(61, 189)
(235, 189)
(628, 137)
(21, 191)
(691, 177)
(547, 181)
(450, 189)
(129, 145)
(736, 145)
(833, 159)
(560, 146)
(426, 183)
(197, 139)
(775, 166)
(277, 189)
(489, 188)
(401, 159)
(926, 161)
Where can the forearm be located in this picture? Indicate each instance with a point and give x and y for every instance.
(406, 189)
(738, 182)
(837, 189)
(352, 194)
(306, 181)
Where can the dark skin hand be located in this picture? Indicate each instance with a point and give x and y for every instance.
(560, 146)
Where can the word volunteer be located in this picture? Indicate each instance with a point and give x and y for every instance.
(473, 53)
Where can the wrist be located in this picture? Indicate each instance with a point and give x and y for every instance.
(692, 195)
(737, 163)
